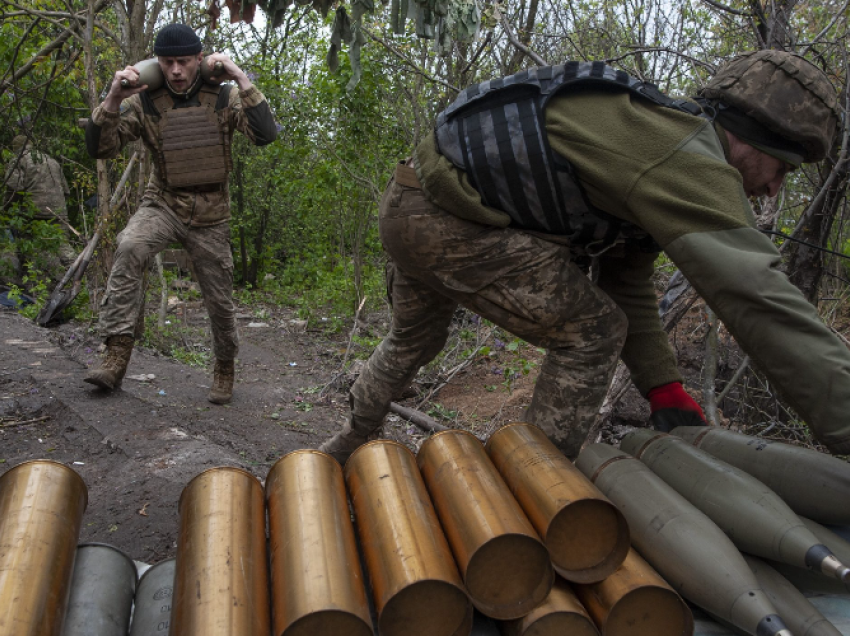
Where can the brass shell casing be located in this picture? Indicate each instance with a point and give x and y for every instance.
(561, 613)
(41, 509)
(221, 582)
(505, 567)
(636, 601)
(317, 583)
(586, 535)
(415, 583)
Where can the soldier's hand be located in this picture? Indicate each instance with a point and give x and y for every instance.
(671, 407)
(119, 92)
(223, 68)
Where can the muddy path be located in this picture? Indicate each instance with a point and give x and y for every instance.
(138, 447)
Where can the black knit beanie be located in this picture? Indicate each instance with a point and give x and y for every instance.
(176, 40)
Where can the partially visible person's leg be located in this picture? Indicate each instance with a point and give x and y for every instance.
(420, 327)
(212, 260)
(149, 230)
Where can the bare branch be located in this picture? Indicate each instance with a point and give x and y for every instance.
(40, 14)
(367, 183)
(46, 50)
(407, 60)
(664, 49)
(725, 8)
(841, 12)
(513, 39)
(480, 50)
(418, 418)
(734, 379)
(710, 368)
(837, 169)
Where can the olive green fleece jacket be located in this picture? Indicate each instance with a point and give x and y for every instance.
(666, 172)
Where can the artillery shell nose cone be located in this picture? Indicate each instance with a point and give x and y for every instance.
(832, 567)
(772, 626)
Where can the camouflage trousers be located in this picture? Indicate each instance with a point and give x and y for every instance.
(150, 231)
(519, 281)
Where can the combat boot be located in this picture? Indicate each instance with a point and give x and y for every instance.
(114, 365)
(352, 436)
(222, 387)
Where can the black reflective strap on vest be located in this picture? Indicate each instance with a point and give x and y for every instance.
(496, 133)
(537, 160)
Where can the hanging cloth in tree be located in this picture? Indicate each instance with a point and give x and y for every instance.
(354, 57)
(461, 23)
(359, 7)
(340, 32)
(322, 6)
(275, 9)
(241, 10)
(214, 11)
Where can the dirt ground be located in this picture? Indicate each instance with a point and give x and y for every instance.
(138, 447)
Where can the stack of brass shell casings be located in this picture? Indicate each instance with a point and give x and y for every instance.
(636, 601)
(102, 591)
(813, 484)
(681, 542)
(41, 510)
(561, 613)
(505, 567)
(749, 512)
(317, 584)
(152, 610)
(415, 582)
(221, 586)
(586, 535)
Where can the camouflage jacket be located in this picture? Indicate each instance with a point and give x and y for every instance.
(107, 133)
(39, 177)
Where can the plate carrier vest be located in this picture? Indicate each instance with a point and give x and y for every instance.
(495, 132)
(194, 147)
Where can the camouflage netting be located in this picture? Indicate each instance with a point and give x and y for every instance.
(444, 21)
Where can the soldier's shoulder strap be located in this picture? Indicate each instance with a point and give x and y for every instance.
(216, 96)
(548, 81)
(157, 102)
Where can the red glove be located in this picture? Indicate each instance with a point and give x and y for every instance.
(673, 396)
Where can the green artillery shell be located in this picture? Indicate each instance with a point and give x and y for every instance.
(813, 484)
(802, 618)
(753, 516)
(152, 606)
(102, 592)
(812, 581)
(679, 541)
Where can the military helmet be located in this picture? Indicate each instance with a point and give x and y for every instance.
(785, 93)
